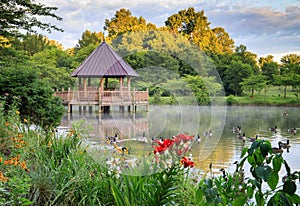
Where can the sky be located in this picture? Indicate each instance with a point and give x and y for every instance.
(265, 27)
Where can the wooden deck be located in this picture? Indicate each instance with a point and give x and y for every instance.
(103, 98)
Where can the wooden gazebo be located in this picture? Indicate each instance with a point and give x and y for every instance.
(103, 63)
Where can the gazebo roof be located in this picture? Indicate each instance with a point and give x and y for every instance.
(104, 62)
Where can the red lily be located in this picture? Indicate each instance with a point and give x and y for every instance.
(184, 137)
(187, 162)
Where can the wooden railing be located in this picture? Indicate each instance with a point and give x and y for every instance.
(106, 97)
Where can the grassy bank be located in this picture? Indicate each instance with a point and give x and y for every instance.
(273, 96)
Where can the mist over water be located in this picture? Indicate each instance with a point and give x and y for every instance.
(221, 150)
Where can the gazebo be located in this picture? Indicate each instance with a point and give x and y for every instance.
(93, 82)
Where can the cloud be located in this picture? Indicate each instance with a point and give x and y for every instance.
(262, 26)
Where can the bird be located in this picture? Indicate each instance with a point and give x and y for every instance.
(242, 137)
(122, 150)
(286, 145)
(237, 129)
(292, 130)
(198, 139)
(253, 139)
(224, 174)
(278, 149)
(273, 129)
(208, 133)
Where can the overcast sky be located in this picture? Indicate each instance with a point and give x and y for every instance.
(263, 26)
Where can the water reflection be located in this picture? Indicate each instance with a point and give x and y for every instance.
(221, 150)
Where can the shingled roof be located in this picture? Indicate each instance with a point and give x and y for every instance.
(104, 62)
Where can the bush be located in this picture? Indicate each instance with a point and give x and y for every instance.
(230, 100)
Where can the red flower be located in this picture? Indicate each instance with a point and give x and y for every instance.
(182, 151)
(163, 145)
(184, 137)
(187, 162)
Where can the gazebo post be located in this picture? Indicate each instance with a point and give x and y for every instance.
(121, 107)
(100, 94)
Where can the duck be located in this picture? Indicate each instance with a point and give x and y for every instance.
(273, 129)
(242, 137)
(292, 130)
(286, 145)
(253, 139)
(278, 149)
(209, 133)
(198, 139)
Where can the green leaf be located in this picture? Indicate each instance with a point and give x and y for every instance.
(289, 187)
(263, 172)
(273, 180)
(277, 161)
(260, 201)
(280, 198)
(264, 148)
(295, 198)
(244, 152)
(239, 201)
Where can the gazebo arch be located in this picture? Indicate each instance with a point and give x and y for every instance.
(103, 63)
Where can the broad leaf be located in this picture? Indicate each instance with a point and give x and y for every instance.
(263, 172)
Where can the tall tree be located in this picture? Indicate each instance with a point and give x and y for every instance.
(88, 38)
(195, 26)
(123, 22)
(16, 15)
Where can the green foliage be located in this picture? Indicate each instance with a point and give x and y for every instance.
(16, 15)
(34, 98)
(230, 100)
(265, 166)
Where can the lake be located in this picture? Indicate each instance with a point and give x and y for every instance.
(221, 150)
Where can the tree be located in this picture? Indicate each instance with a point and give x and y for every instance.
(16, 15)
(254, 83)
(88, 38)
(270, 69)
(234, 75)
(123, 22)
(195, 27)
(34, 98)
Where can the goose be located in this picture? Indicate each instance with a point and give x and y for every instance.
(292, 130)
(273, 129)
(286, 145)
(278, 149)
(198, 139)
(242, 137)
(208, 133)
(253, 139)
(224, 174)
(122, 150)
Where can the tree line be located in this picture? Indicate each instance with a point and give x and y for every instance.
(185, 48)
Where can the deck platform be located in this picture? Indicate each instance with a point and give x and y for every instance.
(94, 97)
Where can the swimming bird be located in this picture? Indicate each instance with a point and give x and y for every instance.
(224, 174)
(273, 129)
(286, 145)
(209, 133)
(242, 137)
(198, 139)
(253, 139)
(278, 149)
(292, 130)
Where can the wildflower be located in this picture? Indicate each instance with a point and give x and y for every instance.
(6, 124)
(17, 112)
(2, 178)
(184, 137)
(25, 120)
(187, 162)
(163, 146)
(0, 159)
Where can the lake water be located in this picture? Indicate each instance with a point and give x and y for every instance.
(221, 150)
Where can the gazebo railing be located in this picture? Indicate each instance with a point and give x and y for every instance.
(111, 97)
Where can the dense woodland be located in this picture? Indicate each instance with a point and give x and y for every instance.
(185, 49)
